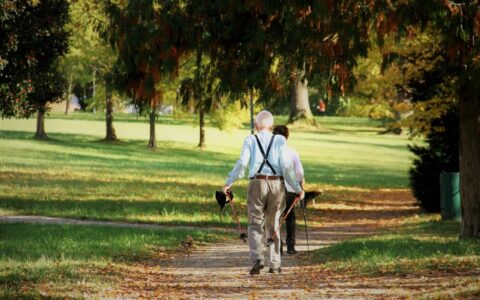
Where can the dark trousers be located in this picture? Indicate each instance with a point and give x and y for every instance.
(290, 221)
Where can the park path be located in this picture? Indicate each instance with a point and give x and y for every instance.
(30, 219)
(220, 271)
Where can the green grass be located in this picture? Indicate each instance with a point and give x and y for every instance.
(71, 253)
(76, 175)
(423, 245)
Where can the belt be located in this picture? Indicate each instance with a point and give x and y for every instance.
(267, 177)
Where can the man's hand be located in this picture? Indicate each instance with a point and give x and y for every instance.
(301, 195)
(226, 188)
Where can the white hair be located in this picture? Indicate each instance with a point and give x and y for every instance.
(264, 120)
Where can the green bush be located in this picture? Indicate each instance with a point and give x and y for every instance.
(440, 155)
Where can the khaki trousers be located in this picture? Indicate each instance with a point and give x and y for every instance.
(266, 203)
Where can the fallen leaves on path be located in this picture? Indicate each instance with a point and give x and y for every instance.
(220, 270)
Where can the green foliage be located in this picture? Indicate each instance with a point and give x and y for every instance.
(230, 116)
(31, 43)
(440, 155)
(148, 48)
(90, 58)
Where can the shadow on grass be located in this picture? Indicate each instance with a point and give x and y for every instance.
(173, 158)
(200, 214)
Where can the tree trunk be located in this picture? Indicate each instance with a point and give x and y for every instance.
(299, 104)
(69, 92)
(94, 88)
(40, 133)
(152, 143)
(252, 122)
(111, 136)
(469, 105)
(199, 96)
(201, 144)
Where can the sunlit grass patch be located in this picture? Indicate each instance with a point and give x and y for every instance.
(33, 254)
(422, 245)
(75, 175)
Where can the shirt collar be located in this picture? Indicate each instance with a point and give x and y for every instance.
(264, 131)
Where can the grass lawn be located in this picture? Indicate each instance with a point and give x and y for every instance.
(76, 175)
(422, 246)
(63, 254)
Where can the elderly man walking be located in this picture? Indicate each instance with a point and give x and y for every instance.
(269, 165)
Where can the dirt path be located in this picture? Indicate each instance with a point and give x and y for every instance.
(221, 271)
(68, 221)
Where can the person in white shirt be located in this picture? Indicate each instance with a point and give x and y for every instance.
(297, 165)
(269, 166)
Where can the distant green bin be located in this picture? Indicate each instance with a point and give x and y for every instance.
(450, 196)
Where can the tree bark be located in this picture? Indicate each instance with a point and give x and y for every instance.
(199, 96)
(252, 122)
(299, 104)
(469, 106)
(69, 92)
(201, 143)
(94, 88)
(40, 132)
(111, 135)
(152, 143)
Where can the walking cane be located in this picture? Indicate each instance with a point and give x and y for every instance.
(222, 201)
(243, 235)
(271, 240)
(305, 220)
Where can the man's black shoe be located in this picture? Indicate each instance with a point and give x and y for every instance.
(277, 270)
(257, 266)
(291, 250)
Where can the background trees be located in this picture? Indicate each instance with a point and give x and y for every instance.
(458, 26)
(245, 44)
(147, 36)
(33, 37)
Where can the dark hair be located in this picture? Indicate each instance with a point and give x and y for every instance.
(282, 130)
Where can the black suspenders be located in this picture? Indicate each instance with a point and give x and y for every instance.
(265, 155)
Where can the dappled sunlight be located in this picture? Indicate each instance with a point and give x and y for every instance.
(166, 195)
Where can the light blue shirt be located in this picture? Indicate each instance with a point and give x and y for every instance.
(278, 159)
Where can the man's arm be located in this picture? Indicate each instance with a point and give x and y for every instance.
(297, 164)
(239, 168)
(288, 169)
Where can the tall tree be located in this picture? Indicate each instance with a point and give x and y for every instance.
(90, 59)
(33, 37)
(195, 90)
(147, 37)
(458, 25)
